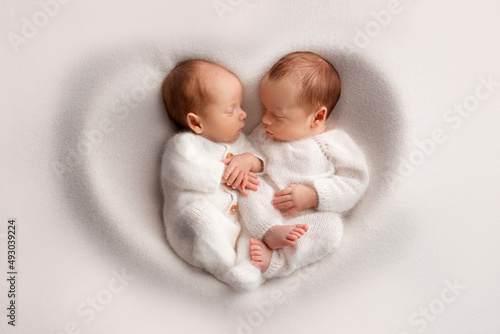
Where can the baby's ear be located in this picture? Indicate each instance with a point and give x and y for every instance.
(319, 116)
(195, 123)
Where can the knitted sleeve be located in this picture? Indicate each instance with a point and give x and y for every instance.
(186, 165)
(344, 189)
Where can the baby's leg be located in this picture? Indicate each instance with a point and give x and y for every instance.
(323, 237)
(205, 238)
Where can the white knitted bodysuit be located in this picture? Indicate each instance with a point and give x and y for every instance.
(329, 162)
(199, 212)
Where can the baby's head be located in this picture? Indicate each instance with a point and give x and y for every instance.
(205, 98)
(298, 94)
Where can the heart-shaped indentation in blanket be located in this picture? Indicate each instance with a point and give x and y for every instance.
(113, 127)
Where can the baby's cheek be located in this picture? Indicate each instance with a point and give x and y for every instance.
(280, 126)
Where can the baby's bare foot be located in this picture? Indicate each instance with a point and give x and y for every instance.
(260, 253)
(280, 236)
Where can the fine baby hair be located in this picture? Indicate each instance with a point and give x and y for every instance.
(185, 89)
(318, 80)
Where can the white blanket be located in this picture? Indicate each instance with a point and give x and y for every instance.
(83, 127)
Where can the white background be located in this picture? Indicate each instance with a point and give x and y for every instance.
(440, 225)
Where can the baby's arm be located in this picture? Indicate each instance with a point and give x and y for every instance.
(337, 193)
(344, 189)
(240, 172)
(185, 165)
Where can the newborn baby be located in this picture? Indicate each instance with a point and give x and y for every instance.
(204, 101)
(313, 171)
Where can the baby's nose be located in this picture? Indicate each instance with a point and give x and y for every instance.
(243, 114)
(265, 118)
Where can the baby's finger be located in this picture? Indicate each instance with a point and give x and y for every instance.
(244, 182)
(229, 170)
(243, 191)
(286, 191)
(290, 212)
(284, 205)
(251, 174)
(238, 181)
(252, 180)
(233, 176)
(251, 186)
(281, 199)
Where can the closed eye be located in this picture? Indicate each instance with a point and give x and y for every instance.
(272, 113)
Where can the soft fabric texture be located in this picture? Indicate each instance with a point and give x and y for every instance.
(84, 128)
(329, 162)
(127, 129)
(200, 213)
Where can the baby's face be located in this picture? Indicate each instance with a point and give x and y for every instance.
(282, 117)
(224, 117)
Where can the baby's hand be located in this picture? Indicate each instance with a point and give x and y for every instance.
(252, 182)
(295, 198)
(238, 173)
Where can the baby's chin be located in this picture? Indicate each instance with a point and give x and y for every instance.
(237, 137)
(230, 140)
(272, 136)
(224, 140)
(279, 139)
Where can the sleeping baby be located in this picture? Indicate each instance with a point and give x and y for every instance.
(314, 172)
(204, 166)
